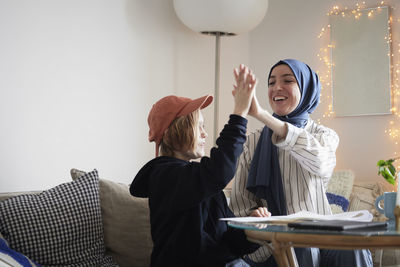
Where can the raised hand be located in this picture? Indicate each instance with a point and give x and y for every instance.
(255, 108)
(244, 90)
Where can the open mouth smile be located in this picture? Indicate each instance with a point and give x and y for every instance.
(279, 98)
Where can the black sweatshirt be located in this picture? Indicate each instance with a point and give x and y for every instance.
(186, 201)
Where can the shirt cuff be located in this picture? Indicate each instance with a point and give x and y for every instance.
(236, 119)
(291, 137)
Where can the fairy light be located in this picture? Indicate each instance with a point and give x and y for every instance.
(324, 55)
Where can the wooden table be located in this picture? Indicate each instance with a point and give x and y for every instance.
(281, 239)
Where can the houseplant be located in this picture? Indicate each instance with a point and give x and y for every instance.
(387, 170)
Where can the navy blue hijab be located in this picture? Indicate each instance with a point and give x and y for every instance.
(264, 176)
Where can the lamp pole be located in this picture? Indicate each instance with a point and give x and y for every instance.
(216, 84)
(217, 35)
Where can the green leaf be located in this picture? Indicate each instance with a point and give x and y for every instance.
(381, 162)
(392, 170)
(381, 170)
(387, 170)
(391, 181)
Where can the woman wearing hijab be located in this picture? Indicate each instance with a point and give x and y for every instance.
(285, 166)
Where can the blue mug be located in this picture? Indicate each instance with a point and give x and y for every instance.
(389, 203)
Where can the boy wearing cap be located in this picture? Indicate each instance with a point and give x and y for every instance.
(186, 198)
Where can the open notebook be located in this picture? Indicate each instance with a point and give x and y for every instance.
(360, 215)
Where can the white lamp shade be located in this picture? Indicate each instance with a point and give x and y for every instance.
(227, 16)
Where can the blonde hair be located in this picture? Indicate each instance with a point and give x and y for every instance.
(181, 135)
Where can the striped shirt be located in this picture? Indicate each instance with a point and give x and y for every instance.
(306, 158)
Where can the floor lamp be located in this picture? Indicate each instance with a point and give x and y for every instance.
(220, 18)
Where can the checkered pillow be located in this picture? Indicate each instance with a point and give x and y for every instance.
(61, 226)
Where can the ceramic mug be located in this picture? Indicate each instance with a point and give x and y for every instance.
(389, 202)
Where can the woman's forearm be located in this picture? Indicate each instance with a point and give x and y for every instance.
(277, 126)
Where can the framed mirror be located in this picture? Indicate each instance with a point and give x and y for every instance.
(361, 74)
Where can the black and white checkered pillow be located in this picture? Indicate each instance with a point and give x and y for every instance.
(61, 226)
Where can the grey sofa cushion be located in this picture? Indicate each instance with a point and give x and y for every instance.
(61, 226)
(126, 223)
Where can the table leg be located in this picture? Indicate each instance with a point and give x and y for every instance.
(283, 251)
(291, 255)
(284, 254)
(280, 255)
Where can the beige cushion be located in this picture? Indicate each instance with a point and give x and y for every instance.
(126, 224)
(363, 197)
(75, 173)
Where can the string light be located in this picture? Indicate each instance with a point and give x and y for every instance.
(324, 55)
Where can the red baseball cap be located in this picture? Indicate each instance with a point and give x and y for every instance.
(165, 110)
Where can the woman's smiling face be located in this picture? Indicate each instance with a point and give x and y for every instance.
(283, 91)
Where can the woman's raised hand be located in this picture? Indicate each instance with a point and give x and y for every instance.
(244, 90)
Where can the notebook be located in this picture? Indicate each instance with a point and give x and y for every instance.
(338, 225)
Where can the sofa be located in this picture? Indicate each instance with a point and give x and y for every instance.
(346, 194)
(96, 222)
(85, 222)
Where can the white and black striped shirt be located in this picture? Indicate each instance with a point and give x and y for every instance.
(306, 158)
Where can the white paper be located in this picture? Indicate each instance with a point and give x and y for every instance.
(360, 215)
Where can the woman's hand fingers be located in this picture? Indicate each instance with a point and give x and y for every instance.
(265, 212)
(255, 213)
(260, 212)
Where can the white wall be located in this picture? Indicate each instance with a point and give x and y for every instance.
(291, 30)
(77, 79)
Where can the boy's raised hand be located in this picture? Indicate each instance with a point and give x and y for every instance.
(244, 90)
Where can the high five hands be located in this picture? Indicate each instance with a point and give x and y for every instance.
(246, 81)
(244, 90)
